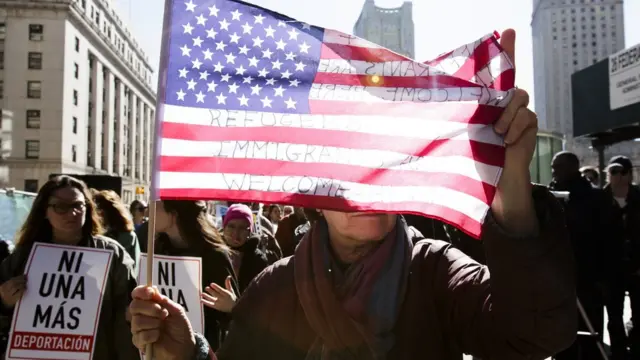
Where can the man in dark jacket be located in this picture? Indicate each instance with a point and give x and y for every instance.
(626, 198)
(589, 214)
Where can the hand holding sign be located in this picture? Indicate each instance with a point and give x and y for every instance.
(11, 291)
(157, 320)
(218, 298)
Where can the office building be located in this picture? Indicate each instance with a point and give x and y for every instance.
(569, 35)
(79, 88)
(391, 28)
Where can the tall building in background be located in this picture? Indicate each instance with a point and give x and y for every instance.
(391, 28)
(569, 35)
(79, 87)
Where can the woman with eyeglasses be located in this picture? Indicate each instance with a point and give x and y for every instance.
(184, 229)
(64, 213)
(248, 257)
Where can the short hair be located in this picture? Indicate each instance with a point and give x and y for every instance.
(569, 156)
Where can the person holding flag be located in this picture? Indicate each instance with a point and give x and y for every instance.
(357, 287)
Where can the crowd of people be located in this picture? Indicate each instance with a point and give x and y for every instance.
(301, 283)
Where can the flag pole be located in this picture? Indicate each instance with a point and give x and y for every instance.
(150, 243)
(162, 89)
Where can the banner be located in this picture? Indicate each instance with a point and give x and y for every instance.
(624, 77)
(58, 315)
(180, 279)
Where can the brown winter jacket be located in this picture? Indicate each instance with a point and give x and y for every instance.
(113, 340)
(526, 309)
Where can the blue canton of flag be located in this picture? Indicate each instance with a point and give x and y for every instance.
(229, 55)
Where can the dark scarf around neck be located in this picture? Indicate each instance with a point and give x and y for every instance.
(352, 311)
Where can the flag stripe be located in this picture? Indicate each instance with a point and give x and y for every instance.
(404, 68)
(402, 95)
(414, 82)
(482, 55)
(311, 154)
(456, 218)
(445, 123)
(407, 109)
(342, 172)
(486, 153)
(362, 193)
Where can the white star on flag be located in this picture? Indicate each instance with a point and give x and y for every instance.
(244, 101)
(185, 51)
(259, 18)
(224, 25)
(290, 103)
(270, 31)
(188, 29)
(213, 11)
(211, 87)
(231, 59)
(279, 91)
(190, 6)
(235, 15)
(266, 102)
(201, 20)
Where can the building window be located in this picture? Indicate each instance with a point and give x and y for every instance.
(32, 148)
(75, 125)
(76, 70)
(33, 119)
(31, 185)
(1, 89)
(77, 44)
(35, 60)
(3, 30)
(1, 60)
(34, 89)
(74, 153)
(36, 32)
(75, 97)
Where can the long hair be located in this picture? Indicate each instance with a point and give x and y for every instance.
(194, 225)
(115, 215)
(37, 228)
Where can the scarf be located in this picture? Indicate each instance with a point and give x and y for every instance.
(352, 311)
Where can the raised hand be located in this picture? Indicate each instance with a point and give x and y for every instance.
(218, 298)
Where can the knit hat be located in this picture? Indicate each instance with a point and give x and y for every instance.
(238, 211)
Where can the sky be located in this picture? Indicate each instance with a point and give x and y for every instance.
(437, 23)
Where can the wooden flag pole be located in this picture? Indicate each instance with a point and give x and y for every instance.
(150, 242)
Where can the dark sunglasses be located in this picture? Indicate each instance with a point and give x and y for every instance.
(60, 208)
(618, 172)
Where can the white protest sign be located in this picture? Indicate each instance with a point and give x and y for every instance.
(57, 317)
(624, 77)
(180, 279)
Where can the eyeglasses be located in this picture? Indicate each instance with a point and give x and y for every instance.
(241, 230)
(60, 208)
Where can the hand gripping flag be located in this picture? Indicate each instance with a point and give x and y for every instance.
(255, 106)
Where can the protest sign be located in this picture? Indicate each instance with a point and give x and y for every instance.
(58, 315)
(180, 279)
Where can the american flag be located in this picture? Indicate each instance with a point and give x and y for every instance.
(255, 106)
